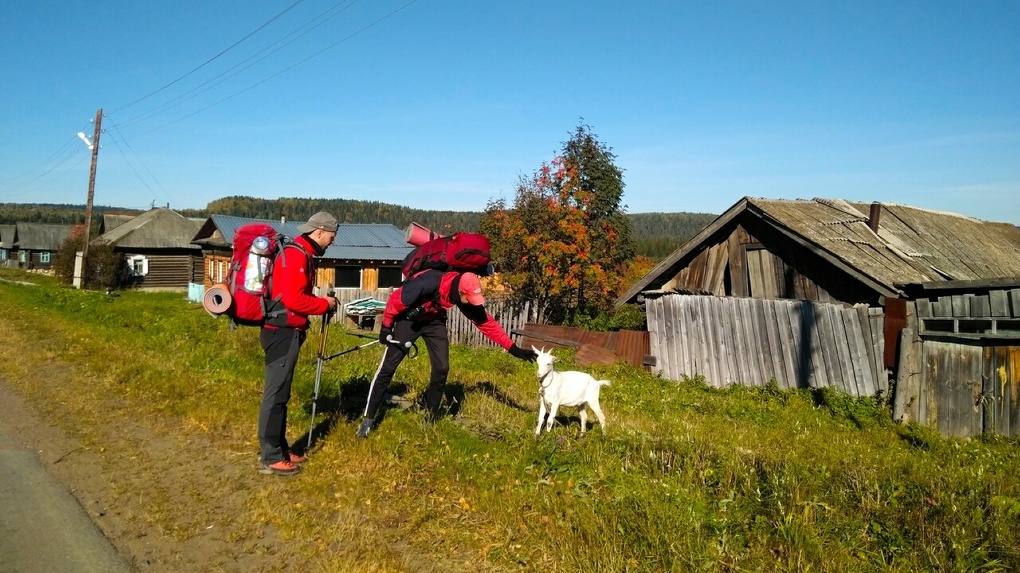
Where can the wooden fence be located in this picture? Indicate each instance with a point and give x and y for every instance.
(799, 344)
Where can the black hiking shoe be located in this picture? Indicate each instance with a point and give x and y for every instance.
(364, 428)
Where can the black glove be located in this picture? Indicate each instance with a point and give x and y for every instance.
(384, 333)
(518, 352)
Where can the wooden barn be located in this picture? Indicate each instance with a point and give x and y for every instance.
(34, 246)
(363, 257)
(815, 293)
(157, 249)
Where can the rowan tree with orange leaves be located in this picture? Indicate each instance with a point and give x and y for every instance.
(565, 244)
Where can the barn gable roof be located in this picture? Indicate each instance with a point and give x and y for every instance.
(158, 228)
(912, 246)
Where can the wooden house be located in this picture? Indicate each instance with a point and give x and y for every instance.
(813, 293)
(363, 257)
(157, 249)
(35, 245)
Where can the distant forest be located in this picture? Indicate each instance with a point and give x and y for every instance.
(656, 235)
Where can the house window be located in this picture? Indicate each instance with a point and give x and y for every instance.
(218, 270)
(44, 257)
(22, 256)
(138, 265)
(348, 277)
(3, 254)
(390, 277)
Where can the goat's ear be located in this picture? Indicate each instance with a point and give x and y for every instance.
(535, 349)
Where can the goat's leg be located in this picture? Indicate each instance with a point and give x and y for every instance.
(541, 415)
(583, 413)
(553, 406)
(598, 414)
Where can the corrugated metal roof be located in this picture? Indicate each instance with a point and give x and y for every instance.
(8, 234)
(912, 245)
(158, 228)
(41, 236)
(375, 242)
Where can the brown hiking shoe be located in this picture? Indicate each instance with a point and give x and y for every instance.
(280, 468)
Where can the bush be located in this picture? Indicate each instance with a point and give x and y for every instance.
(627, 317)
(105, 267)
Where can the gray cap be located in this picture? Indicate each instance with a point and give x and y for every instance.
(321, 220)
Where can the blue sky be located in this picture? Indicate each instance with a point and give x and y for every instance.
(444, 104)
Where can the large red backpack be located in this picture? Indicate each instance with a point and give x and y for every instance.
(256, 246)
(468, 252)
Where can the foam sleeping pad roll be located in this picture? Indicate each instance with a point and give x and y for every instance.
(217, 300)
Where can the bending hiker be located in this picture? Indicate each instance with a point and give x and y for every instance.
(418, 310)
(282, 335)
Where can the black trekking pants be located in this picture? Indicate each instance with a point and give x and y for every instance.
(281, 346)
(437, 342)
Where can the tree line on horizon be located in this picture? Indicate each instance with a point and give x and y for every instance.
(655, 235)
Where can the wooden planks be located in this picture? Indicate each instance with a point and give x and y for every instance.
(753, 341)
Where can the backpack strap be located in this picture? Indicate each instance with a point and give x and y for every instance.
(272, 308)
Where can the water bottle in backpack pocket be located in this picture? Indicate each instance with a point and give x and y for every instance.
(256, 268)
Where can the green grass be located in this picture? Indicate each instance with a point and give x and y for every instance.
(686, 477)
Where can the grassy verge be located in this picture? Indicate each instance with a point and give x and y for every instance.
(686, 477)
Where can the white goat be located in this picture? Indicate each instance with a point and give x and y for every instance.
(570, 388)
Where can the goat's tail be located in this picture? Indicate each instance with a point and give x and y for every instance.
(603, 382)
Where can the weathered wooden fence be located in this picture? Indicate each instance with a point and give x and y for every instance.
(799, 344)
(959, 364)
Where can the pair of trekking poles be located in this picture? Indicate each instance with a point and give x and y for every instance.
(323, 358)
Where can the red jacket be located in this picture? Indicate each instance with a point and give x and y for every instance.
(431, 289)
(292, 281)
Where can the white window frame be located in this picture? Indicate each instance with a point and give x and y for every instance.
(44, 257)
(133, 268)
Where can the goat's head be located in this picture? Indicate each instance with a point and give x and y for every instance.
(545, 361)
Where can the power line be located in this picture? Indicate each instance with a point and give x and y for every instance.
(210, 60)
(236, 69)
(287, 69)
(116, 142)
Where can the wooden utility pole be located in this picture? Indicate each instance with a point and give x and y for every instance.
(88, 203)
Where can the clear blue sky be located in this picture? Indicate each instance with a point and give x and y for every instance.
(444, 104)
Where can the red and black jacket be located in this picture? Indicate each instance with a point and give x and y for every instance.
(437, 291)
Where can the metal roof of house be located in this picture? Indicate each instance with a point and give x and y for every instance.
(362, 242)
(41, 236)
(912, 246)
(158, 228)
(8, 234)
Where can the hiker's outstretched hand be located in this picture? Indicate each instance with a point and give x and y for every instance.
(518, 352)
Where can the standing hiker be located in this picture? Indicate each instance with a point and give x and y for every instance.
(293, 278)
(418, 310)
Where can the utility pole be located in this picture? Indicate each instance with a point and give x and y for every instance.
(88, 203)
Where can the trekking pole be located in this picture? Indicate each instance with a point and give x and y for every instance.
(323, 333)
